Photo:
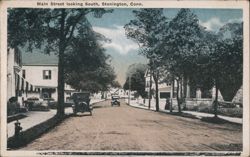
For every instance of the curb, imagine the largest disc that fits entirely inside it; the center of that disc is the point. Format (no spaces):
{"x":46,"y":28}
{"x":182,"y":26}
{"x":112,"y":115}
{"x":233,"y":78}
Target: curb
{"x":16,"y":117}
{"x":187,"y":115}
{"x":98,"y":102}
{"x":169,"y":113}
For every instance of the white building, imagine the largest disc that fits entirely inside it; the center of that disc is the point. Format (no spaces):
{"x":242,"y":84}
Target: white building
{"x":164,"y":88}
{"x":14,"y":65}
{"x":118,"y":91}
{"x":44,"y":79}
{"x":193,"y":96}
{"x":17,"y":85}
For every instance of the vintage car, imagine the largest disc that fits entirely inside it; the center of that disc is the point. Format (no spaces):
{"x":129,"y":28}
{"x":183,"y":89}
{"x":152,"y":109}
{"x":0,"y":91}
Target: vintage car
{"x":115,"y":100}
{"x":51,"y":102}
{"x":35,"y":104}
{"x":81,"y":102}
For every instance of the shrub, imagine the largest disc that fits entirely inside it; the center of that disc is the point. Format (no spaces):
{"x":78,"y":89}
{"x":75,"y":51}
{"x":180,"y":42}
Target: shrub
{"x":232,"y":112}
{"x":12,"y":106}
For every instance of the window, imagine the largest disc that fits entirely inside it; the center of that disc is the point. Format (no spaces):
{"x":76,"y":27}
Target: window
{"x":164,"y":95}
{"x":192,"y":92}
{"x":206,"y":94}
{"x":23,"y":74}
{"x":46,"y":74}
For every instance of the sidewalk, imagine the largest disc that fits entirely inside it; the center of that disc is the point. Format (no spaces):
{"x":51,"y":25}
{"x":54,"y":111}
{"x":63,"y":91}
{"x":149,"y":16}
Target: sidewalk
{"x":35,"y":117}
{"x":199,"y":115}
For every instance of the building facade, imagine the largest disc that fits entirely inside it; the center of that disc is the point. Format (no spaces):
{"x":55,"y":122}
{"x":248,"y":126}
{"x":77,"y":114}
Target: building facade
{"x":44,"y":79}
{"x":193,"y":96}
{"x":14,"y":66}
{"x":164,"y":88}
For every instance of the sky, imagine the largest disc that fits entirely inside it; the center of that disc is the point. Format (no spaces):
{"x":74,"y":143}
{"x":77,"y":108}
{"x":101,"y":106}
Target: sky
{"x":124,"y":51}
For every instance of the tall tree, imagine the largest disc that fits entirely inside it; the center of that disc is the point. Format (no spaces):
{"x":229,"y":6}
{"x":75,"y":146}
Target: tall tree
{"x":230,"y":54}
{"x":52,"y":29}
{"x":147,"y":30}
{"x":221,"y":64}
{"x":227,"y":62}
{"x":180,"y":48}
{"x":86,"y":64}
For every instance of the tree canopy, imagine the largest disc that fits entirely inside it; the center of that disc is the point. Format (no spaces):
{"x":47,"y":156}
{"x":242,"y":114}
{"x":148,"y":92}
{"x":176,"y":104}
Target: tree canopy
{"x":146,"y":29}
{"x":135,"y":77}
{"x":52,"y":29}
{"x":185,"y":51}
{"x":228,"y":59}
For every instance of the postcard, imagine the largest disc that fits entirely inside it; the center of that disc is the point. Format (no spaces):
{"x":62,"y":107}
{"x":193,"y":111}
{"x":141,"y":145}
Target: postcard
{"x":124,"y":78}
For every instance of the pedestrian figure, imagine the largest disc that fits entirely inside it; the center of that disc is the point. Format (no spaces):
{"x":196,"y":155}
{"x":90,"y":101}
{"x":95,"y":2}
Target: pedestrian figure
{"x":167,"y":105}
{"x":18,"y":129}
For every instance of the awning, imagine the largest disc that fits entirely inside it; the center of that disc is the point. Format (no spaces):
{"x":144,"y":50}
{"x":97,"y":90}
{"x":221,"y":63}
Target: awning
{"x":38,"y":86}
{"x":21,"y":84}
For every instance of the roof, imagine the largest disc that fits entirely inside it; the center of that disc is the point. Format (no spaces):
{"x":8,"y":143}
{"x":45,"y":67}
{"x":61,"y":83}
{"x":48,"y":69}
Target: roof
{"x":39,"y":64}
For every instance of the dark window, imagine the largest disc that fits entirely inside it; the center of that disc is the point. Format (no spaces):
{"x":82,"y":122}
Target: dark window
{"x":164,"y":95}
{"x":23,"y":74}
{"x":206,"y":94}
{"x":192,"y":92}
{"x":47,"y":74}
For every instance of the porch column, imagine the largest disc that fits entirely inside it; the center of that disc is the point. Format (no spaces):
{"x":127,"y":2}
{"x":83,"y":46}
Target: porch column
{"x":40,"y":92}
{"x":198,"y":93}
{"x":188,"y":90}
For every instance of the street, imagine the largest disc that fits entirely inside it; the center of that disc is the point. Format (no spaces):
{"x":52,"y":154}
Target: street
{"x":128,"y":128}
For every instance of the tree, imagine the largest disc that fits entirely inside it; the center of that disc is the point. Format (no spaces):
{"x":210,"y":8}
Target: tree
{"x":51,"y":29}
{"x":116,"y":84}
{"x":230,"y":54}
{"x":221,"y":66}
{"x":183,"y":43}
{"x":227,"y":62}
{"x":93,"y":81}
{"x":135,"y":77}
{"x":147,"y":30}
{"x":86,"y":64}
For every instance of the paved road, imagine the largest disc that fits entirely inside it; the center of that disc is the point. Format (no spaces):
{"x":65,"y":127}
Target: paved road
{"x":127,"y":128}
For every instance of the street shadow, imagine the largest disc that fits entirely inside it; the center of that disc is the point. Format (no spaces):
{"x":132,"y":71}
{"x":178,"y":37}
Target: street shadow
{"x":98,"y":107}
{"x":82,"y":115}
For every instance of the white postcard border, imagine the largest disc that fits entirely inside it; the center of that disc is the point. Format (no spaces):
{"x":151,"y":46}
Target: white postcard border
{"x":244,"y":5}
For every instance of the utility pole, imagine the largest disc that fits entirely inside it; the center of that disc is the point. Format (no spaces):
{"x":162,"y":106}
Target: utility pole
{"x":129,"y":90}
{"x":149,"y":92}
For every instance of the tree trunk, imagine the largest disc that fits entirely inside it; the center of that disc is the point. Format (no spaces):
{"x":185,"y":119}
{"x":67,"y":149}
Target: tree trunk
{"x":155,"y":76}
{"x":185,"y":91}
{"x":185,"y":87}
{"x":60,"y":102}
{"x":181,"y":85}
{"x":150,"y":90}
{"x":171,"y":104}
{"x":177,"y":97}
{"x":216,"y":99}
